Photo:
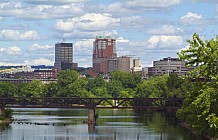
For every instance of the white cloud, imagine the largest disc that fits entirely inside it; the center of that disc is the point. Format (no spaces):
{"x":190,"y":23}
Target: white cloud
{"x":88,"y":22}
{"x":11,"y":50}
{"x":40,"y":11}
{"x":151,"y":4}
{"x":77,"y":34}
{"x":16,"y":35}
{"x":9,"y":64}
{"x":140,"y":23}
{"x":54,"y":2}
{"x":110,"y":8}
{"x":207,"y":1}
{"x":166,"y":30}
{"x":83,"y":47}
{"x":163,"y":41}
{"x":83,"y":52}
{"x":10,"y":5}
{"x":36,"y":47}
{"x":39,"y":61}
{"x":192,"y":18}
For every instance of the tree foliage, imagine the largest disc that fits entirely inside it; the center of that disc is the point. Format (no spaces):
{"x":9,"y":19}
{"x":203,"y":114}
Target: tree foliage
{"x":66,"y":77}
{"x":200,"y":107}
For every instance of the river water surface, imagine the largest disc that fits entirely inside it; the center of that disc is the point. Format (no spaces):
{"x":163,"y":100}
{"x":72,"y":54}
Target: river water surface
{"x":112,"y":124}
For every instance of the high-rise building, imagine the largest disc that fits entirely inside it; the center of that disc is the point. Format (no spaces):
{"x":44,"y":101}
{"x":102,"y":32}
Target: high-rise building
{"x":104,"y":48}
{"x":63,"y":56}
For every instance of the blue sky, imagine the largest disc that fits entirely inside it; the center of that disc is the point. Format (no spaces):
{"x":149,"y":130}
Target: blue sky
{"x":148,"y":29}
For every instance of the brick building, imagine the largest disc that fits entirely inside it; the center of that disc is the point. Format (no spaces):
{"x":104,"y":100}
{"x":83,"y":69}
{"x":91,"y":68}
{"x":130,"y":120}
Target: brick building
{"x":104,"y":48}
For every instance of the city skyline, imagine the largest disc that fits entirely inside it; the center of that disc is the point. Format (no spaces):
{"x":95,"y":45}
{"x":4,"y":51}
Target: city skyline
{"x":148,"y":29}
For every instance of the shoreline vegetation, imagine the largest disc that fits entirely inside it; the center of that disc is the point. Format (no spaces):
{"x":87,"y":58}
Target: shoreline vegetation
{"x":6,"y":117}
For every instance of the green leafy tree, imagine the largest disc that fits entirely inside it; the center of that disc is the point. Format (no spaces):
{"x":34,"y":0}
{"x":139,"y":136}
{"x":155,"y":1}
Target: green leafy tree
{"x":96,"y":82}
{"x":50,"y":90}
{"x":154,"y":87}
{"x":78,"y":89}
{"x":203,"y":55}
{"x":200,"y":106}
{"x":7,"y":89}
{"x":127,"y":79}
{"x":114,"y":88}
{"x":34,"y":89}
{"x":177,"y":86}
{"x":66,"y":77}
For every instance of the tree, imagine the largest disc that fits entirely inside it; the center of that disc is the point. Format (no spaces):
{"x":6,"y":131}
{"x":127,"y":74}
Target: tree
{"x":78,"y":89}
{"x":7,"y":89}
{"x":114,"y":88}
{"x":199,"y":109}
{"x":50,"y":90}
{"x":154,"y":87}
{"x":33,"y":89}
{"x":95,"y":83}
{"x":127,"y":79}
{"x":203,"y":55}
{"x":66,"y":77}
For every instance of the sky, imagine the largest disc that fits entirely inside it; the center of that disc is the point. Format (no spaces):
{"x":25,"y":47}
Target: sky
{"x":147,"y":29}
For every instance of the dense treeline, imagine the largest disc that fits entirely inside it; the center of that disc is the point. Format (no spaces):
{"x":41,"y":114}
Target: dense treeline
{"x":122,"y":84}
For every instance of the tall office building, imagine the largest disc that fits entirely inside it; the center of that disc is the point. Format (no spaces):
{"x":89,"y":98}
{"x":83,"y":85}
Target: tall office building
{"x":104,"y":48}
{"x":63,"y":56}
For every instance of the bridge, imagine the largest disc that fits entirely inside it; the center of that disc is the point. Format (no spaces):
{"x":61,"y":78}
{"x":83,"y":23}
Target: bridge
{"x":91,"y":103}
{"x":65,"y":102}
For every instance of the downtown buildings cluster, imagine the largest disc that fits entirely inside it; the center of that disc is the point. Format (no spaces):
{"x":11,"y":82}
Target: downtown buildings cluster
{"x":104,"y":61}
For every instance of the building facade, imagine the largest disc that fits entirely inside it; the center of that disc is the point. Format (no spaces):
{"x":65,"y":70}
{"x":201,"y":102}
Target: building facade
{"x":104,"y":48}
{"x":46,"y":74}
{"x":63,"y":56}
{"x":125,"y":63}
{"x":112,"y":64}
{"x":167,"y":66}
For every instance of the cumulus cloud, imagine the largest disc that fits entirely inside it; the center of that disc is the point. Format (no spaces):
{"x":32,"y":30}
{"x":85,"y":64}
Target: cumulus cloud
{"x":36,"y":47}
{"x":39,"y":61}
{"x":191,"y":18}
{"x":18,"y":10}
{"x":54,"y":2}
{"x":10,"y":5}
{"x":83,"y":47}
{"x":109,"y":8}
{"x":150,"y":4}
{"x":166,"y":30}
{"x":87,"y":22}
{"x":138,"y":22}
{"x":16,"y":35}
{"x":207,"y":1}
{"x":163,"y":41}
{"x":11,"y":50}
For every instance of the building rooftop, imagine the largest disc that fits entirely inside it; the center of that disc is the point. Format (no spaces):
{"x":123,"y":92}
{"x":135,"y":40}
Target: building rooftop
{"x":104,"y":37}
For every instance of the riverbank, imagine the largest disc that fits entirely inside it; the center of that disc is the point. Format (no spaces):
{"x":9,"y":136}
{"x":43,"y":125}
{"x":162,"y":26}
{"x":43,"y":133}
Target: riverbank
{"x":6,"y":121}
{"x":195,"y":132}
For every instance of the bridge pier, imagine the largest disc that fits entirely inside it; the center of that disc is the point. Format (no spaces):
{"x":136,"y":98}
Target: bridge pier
{"x":91,"y":115}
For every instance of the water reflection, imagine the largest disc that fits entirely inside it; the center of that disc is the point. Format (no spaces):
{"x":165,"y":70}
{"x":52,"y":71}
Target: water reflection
{"x":67,"y":124}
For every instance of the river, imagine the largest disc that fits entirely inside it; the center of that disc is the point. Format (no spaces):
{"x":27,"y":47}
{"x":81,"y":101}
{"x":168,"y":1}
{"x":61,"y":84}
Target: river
{"x":112,"y":124}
